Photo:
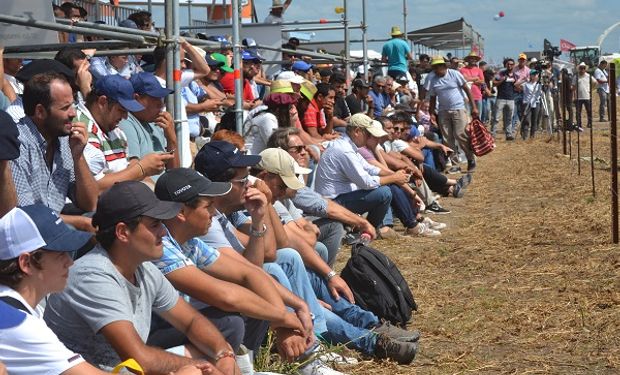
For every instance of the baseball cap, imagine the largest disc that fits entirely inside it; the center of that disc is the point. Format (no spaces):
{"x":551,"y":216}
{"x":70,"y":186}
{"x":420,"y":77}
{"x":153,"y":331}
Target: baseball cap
{"x":359,"y":83}
{"x":278,"y":161}
{"x":221,"y":58}
{"x":360,"y":120}
{"x":290,"y":76}
{"x":522,"y":56}
{"x":582,"y":64}
{"x":213,"y":62}
{"x":301,"y":66}
{"x":214,"y":158}
{"x":119,"y":90}
{"x":29,"y":228}
{"x":185,"y":184}
{"x":127,"y":200}
{"x":9,"y":138}
{"x":248,"y":42}
{"x":146,"y":84}
{"x":249,"y":54}
{"x":128,"y":23}
{"x":44,"y":66}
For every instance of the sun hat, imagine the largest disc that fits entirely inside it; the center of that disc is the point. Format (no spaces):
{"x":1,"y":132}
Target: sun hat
{"x":396,"y":31}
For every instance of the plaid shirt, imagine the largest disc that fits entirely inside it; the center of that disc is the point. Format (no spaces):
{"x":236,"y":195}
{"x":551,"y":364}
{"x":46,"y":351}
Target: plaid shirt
{"x":34,"y":181}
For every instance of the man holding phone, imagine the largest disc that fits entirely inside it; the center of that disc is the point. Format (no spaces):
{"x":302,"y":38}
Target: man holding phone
{"x":151,"y":129}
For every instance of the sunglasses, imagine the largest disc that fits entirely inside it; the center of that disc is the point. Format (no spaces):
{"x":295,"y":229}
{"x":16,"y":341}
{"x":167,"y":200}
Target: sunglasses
{"x":241,"y":181}
{"x":398,"y":129}
{"x":296,"y":149}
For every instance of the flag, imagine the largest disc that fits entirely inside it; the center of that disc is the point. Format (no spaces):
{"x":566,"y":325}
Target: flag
{"x":566,"y":46}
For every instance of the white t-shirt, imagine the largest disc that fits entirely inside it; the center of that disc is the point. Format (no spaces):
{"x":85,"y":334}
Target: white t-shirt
{"x":27,"y":345}
{"x":258,"y":128}
{"x":601,"y":75}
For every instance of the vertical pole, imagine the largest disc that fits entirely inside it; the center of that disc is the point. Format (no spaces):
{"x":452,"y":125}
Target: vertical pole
{"x":614,"y":154}
{"x":578,"y":105}
{"x":347,"y":46}
{"x":150,"y":6}
{"x":190,"y":22}
{"x":182,"y":135}
{"x":365,"y":40}
{"x":592,"y":144}
{"x":238,"y":73}
{"x":563,"y":112}
{"x":169,"y":54}
{"x":405,"y":18}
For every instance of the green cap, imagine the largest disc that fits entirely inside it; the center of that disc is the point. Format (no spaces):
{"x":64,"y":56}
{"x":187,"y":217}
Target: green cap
{"x":221,"y":58}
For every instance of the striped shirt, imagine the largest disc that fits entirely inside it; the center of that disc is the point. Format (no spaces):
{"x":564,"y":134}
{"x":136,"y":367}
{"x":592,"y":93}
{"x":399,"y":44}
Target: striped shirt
{"x":105,"y":152}
{"x":35,"y":182}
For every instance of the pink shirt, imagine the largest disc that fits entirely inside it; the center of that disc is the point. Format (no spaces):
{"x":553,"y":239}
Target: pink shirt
{"x":469,"y":73}
{"x":523,"y":75}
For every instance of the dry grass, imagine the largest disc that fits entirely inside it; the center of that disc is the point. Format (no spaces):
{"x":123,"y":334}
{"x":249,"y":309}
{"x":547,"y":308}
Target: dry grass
{"x":525,"y":279}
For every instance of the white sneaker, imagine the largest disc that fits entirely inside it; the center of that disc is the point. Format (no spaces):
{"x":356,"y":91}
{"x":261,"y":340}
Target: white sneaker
{"x":338,"y":359}
{"x":434,"y":224}
{"x":422,"y":230}
{"x":316,"y":367}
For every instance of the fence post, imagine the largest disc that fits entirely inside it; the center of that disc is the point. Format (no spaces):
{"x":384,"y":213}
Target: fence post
{"x":563,"y":110}
{"x":613,"y":137}
{"x":592,"y":143}
{"x":578,"y":121}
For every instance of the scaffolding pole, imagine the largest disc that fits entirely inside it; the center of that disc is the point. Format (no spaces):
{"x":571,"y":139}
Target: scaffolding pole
{"x":347,"y":45}
{"x":321,"y":28}
{"x":364,"y":40}
{"x":303,"y":53}
{"x":238,"y":73}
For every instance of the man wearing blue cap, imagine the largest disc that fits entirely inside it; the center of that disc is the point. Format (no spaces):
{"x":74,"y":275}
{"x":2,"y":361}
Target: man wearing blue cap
{"x":151,"y":129}
{"x":303,"y":69}
{"x":106,"y":152}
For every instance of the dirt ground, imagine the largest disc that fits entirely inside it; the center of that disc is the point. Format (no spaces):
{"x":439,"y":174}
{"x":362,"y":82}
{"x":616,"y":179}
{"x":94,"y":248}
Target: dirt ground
{"x":525,"y":279}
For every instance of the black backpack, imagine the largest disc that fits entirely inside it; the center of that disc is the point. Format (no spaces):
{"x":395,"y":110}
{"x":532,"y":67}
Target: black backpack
{"x":378,"y":285}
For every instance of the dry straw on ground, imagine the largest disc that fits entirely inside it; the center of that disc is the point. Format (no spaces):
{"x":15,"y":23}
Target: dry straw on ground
{"x":525,"y":279}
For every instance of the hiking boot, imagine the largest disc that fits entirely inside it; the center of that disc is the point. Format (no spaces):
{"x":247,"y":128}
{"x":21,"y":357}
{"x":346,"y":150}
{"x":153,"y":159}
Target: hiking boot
{"x":471,"y":165}
{"x":465,"y":180}
{"x":435,"y":225}
{"x":401,"y":352}
{"x":454,"y":170}
{"x":388,"y":234}
{"x":435,"y":208}
{"x":510,"y":138}
{"x":422,"y":230}
{"x":396,"y":333}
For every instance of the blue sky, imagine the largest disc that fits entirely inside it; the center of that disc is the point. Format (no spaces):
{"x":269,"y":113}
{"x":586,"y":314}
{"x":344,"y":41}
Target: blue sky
{"x":526,"y":23}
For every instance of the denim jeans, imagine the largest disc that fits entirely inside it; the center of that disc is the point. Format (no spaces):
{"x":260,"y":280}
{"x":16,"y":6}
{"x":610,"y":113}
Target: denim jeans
{"x":506,"y":107}
{"x":529,"y":121}
{"x":289,"y":270}
{"x":331,"y":235}
{"x":580,"y":104}
{"x":376,"y":202}
{"x":602,"y":95}
{"x":402,"y":207}
{"x":517,"y":115}
{"x":347,"y":323}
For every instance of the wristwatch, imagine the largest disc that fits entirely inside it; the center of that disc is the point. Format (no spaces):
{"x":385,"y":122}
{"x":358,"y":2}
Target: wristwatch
{"x":330,"y":275}
{"x":258,"y":233}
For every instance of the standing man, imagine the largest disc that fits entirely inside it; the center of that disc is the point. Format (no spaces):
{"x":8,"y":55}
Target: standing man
{"x":504,"y":81}
{"x":422,"y":71}
{"x":474,"y":77}
{"x":396,"y":53}
{"x":277,"y":11}
{"x":522,"y":75}
{"x":581,"y":94}
{"x":447,"y":85}
{"x":602,"y":78}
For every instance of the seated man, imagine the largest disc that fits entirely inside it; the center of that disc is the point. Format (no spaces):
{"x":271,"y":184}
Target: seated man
{"x":150,"y":130}
{"x":106,"y":151}
{"x":105,"y":312}
{"x":329,"y":215}
{"x":344,"y":176}
{"x":348,"y":323}
{"x":51,"y":166}
{"x":31,"y":268}
{"x":230,"y":284}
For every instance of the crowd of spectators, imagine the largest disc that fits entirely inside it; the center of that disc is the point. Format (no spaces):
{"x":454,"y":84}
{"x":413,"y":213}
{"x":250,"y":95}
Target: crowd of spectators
{"x":113,"y":247}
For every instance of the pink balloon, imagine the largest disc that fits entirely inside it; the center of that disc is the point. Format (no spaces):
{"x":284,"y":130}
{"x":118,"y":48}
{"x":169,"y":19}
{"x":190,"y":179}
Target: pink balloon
{"x":502,"y":14}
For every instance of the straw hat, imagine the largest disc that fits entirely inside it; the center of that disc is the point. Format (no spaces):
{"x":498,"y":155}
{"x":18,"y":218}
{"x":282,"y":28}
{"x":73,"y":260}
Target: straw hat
{"x":472,"y":55}
{"x":396,"y":31}
{"x":437,"y":60}
{"x":308,"y":89}
{"x":277,"y":4}
{"x":281,"y":86}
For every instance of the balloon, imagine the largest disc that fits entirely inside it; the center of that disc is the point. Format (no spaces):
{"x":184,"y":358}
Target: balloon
{"x":501,"y":14}
{"x":496,"y":17}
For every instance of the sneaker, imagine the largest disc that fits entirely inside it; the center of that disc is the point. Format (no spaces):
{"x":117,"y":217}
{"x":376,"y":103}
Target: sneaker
{"x":434,"y":224}
{"x":435,"y":208}
{"x":422,"y":230}
{"x":510,"y":138}
{"x":579,"y":129}
{"x":465,"y":180}
{"x":601,"y":119}
{"x":317,"y":367}
{"x":458,"y":191}
{"x":337,"y":359}
{"x":401,"y":352}
{"x":454,"y":170}
{"x":396,"y":333}
{"x":388,"y":234}
{"x":471,"y":165}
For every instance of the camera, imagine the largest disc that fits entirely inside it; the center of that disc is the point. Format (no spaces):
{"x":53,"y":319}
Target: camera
{"x":550,"y":51}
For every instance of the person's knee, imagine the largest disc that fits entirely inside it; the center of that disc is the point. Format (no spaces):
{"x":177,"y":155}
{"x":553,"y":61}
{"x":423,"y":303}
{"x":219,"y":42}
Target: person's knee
{"x":321,"y":249}
{"x":384,"y":194}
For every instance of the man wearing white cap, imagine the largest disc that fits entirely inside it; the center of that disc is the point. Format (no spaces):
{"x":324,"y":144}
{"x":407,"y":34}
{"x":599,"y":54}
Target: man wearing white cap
{"x":344,"y":176}
{"x":581,"y":88}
